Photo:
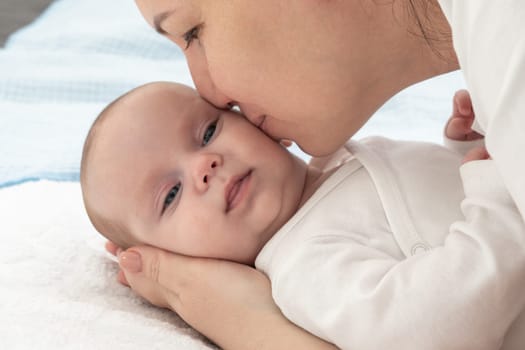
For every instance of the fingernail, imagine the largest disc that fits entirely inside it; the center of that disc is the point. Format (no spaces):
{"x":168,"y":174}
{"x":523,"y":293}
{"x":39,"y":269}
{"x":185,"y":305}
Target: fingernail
{"x":130,"y":261}
{"x":464,"y":109}
{"x":118,"y":252}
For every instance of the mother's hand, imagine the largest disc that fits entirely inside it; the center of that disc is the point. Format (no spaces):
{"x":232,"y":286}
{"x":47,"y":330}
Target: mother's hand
{"x":229,"y":303}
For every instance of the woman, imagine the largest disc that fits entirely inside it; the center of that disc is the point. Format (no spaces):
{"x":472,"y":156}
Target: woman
{"x":293,"y":67}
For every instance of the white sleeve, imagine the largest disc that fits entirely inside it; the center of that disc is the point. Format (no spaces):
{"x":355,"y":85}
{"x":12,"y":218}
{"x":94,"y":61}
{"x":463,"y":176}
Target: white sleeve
{"x":462,"y":147}
{"x":489,"y":38}
{"x":462,"y":295}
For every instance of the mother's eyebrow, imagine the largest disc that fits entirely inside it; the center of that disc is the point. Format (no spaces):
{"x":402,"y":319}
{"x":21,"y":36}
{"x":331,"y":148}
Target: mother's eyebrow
{"x":158,"y":19}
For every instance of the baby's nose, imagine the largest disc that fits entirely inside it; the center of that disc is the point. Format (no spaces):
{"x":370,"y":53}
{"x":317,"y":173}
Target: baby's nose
{"x":206,"y":177}
{"x":205,"y":169}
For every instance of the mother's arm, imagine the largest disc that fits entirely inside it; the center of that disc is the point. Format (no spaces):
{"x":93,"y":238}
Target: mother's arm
{"x":229,"y":303}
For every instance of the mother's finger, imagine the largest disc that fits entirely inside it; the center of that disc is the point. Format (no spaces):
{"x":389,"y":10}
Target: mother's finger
{"x":160,"y":267}
{"x":112,"y":248}
{"x":165,"y":278}
{"x":152,"y":292}
{"x":477,"y":153}
{"x":462,"y":104}
{"x":458,"y":129}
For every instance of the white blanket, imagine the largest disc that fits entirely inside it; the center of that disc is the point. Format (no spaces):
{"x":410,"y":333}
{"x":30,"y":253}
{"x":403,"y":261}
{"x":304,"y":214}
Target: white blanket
{"x":58,"y":287}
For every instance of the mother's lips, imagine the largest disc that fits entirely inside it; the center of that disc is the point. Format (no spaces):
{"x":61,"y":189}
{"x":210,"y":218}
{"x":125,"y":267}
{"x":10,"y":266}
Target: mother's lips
{"x":234,"y":191}
{"x":260,"y":122}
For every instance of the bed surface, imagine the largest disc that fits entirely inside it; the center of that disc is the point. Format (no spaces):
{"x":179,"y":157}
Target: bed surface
{"x":58,"y":287}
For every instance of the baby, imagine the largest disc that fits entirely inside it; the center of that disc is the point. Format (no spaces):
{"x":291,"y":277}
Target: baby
{"x":359,"y":248}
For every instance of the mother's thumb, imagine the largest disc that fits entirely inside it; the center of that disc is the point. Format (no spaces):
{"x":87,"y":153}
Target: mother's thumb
{"x":141,"y":267}
{"x":145,"y":261}
{"x":130,"y":261}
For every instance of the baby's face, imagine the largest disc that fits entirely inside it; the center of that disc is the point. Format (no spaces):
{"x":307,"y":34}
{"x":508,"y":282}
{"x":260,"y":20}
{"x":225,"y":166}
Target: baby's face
{"x":186,"y":177}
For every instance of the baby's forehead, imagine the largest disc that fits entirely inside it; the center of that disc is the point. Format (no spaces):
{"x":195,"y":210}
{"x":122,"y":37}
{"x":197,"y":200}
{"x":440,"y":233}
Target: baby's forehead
{"x":146,"y":121}
{"x":151,"y":117}
{"x":158,"y":100}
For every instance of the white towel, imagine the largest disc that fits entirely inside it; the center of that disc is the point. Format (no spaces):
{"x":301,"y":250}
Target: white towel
{"x":58,"y":287}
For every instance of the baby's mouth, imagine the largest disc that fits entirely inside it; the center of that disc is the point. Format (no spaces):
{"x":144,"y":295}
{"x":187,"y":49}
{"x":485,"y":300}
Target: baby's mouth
{"x":235,"y":190}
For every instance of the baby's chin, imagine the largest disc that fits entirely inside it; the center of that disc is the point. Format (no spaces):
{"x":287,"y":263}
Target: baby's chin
{"x":246,"y":259}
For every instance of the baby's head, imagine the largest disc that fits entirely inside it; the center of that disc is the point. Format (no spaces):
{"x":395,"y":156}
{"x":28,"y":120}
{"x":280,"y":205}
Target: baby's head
{"x":163,"y":167}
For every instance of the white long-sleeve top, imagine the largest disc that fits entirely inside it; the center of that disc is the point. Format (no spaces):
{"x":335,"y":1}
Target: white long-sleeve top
{"x":489,"y":39}
{"x":370,"y":261}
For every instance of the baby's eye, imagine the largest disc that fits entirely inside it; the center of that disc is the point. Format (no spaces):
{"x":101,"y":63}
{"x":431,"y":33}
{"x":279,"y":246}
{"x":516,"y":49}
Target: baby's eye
{"x":171,"y":196}
{"x":208,"y":134}
{"x":191,"y":34}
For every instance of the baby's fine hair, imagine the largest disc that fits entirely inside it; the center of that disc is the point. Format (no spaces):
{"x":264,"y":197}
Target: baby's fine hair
{"x":110,"y":228}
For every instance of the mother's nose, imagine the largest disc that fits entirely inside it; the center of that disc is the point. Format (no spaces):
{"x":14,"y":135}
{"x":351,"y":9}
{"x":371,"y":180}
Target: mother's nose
{"x":209,"y":91}
{"x":204,"y":82}
{"x":205,"y":167}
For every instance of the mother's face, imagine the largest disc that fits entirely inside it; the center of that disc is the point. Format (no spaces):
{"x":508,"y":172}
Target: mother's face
{"x":280,"y":61}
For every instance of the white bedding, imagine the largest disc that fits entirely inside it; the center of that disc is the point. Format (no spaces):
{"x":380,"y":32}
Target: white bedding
{"x":58,"y":285}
